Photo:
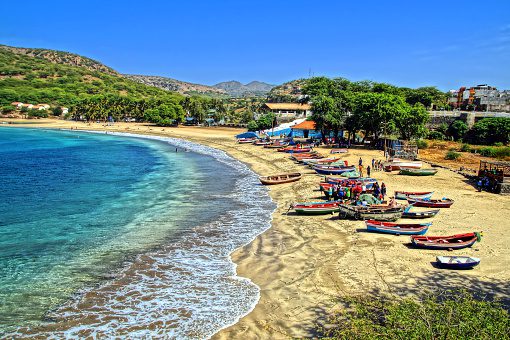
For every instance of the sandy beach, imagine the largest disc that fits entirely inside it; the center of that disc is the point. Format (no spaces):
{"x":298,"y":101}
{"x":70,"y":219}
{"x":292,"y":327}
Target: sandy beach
{"x":302,"y":263}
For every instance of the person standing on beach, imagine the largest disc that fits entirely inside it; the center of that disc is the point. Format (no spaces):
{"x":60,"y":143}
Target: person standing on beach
{"x":383,"y":190}
{"x":360,"y":169}
{"x":373,"y":163}
{"x":360,"y":162}
{"x":368,"y":170}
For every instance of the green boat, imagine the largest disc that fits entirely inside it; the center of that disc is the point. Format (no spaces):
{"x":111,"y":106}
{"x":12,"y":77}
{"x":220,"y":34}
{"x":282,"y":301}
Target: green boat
{"x":418,"y":172}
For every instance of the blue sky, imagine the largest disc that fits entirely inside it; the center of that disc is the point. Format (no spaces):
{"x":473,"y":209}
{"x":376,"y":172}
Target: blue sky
{"x":407,"y":43}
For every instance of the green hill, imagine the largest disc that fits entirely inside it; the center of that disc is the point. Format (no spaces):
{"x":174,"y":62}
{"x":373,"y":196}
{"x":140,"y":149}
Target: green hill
{"x":64,"y":79}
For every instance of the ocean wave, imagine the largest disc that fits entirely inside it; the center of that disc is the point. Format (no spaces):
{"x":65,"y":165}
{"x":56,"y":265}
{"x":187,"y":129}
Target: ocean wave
{"x":188,"y":289}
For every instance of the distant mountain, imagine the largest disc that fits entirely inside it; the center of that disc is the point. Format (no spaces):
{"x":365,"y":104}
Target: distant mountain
{"x":237,"y":89}
{"x":177,"y":85}
{"x":61,"y":58}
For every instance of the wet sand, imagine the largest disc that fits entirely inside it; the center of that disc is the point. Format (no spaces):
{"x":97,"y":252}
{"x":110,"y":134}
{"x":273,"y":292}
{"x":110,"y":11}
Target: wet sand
{"x":303,"y":262}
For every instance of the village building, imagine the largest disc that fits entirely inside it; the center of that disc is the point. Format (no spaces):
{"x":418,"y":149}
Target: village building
{"x":65,"y":110}
{"x":17,"y":104}
{"x":28,"y":106}
{"x":288,"y":111}
{"x":480,"y":98}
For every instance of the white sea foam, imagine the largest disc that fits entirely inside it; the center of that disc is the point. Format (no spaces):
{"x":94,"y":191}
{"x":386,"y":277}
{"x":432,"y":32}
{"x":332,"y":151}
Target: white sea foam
{"x":188,"y":289}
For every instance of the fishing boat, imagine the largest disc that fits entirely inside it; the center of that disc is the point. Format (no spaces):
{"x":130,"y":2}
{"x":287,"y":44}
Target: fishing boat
{"x":276,"y":145}
{"x":322,"y":161}
{"x":458,"y":241}
{"x":399,"y":165}
{"x":418,"y":214}
{"x":338,"y":163}
{"x":366,"y":212}
{"x":281,"y":178}
{"x":332,"y":170}
{"x":263,"y":142}
{"x":418,"y":172}
{"x":404,"y":195}
{"x":428,"y":203}
{"x":397,"y":228}
{"x":246,"y":140}
{"x":316,"y":208}
{"x":334,"y":151}
{"x":457,"y":262}
{"x":291,"y":149}
{"x":299,"y":157}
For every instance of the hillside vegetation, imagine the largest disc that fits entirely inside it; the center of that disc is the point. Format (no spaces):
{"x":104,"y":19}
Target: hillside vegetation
{"x":63,"y":79}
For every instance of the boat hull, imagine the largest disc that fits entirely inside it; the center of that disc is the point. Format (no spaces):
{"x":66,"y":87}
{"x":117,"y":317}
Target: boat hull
{"x":332,"y":171}
{"x":418,"y":172}
{"x":397,"y":230}
{"x":457,"y":262}
{"x":420,"y":214}
{"x":445,"y":242}
{"x":430,"y":203}
{"x":404,"y":195}
{"x":359,"y":213}
{"x":280,"y":179}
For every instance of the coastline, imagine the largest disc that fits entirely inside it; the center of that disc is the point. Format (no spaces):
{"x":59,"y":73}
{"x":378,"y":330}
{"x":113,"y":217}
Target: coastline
{"x":301,"y":263}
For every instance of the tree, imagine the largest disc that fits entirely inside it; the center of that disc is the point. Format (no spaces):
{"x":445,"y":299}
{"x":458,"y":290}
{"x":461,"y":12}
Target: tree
{"x":57,"y":111}
{"x":457,"y":129}
{"x":410,"y":121}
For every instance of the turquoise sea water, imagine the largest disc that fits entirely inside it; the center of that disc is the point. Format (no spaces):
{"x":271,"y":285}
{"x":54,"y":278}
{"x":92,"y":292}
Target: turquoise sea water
{"x":86,"y":214}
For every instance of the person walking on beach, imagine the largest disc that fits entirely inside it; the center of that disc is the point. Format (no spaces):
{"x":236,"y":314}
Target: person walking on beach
{"x":360,"y":162}
{"x":368,"y":170}
{"x":373,"y":163}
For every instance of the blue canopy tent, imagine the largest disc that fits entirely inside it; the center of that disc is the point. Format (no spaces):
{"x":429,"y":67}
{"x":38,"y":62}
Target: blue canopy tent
{"x":248,"y":134}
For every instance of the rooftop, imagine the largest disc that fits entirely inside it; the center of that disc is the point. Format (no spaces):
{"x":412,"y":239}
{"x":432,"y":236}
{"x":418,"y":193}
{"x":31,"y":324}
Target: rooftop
{"x":288,"y":106}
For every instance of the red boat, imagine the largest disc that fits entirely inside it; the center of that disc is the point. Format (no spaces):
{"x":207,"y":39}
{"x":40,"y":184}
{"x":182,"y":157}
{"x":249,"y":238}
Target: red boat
{"x":294,"y":150}
{"x":403,"y":195}
{"x":458,"y":241}
{"x":306,"y":155}
{"x":442,"y":203}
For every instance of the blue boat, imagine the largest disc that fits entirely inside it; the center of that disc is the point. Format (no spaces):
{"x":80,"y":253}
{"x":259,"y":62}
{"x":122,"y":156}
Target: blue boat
{"x":332,"y":170}
{"x":457,"y":262}
{"x":397,"y":228}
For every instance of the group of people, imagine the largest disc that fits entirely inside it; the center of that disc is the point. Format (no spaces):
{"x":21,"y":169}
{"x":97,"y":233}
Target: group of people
{"x":353,"y":189}
{"x":377,"y":165}
{"x":486,"y":183}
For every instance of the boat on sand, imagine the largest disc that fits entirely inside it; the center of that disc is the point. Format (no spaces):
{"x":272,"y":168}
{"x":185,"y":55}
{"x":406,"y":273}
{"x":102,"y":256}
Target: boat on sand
{"x":428,"y":203}
{"x":458,"y":241}
{"x":404,"y":195}
{"x":418,"y":172}
{"x":457,"y":262}
{"x":280,"y":178}
{"x":397,"y":228}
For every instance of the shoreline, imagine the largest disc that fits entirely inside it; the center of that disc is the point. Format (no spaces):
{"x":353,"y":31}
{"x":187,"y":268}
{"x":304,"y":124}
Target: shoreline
{"x":301,"y":263}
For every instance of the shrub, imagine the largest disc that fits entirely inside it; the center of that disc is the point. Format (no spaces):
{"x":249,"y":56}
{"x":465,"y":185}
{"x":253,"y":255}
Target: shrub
{"x":436,"y":135}
{"x":422,"y":144}
{"x":498,"y":144}
{"x":452,"y":155}
{"x":465,"y":148}
{"x":253,"y":126}
{"x":490,"y":131}
{"x":454,"y":316}
{"x":487,"y":152}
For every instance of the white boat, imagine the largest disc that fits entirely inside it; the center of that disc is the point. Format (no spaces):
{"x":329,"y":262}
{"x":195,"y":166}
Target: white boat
{"x":400,"y":164}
